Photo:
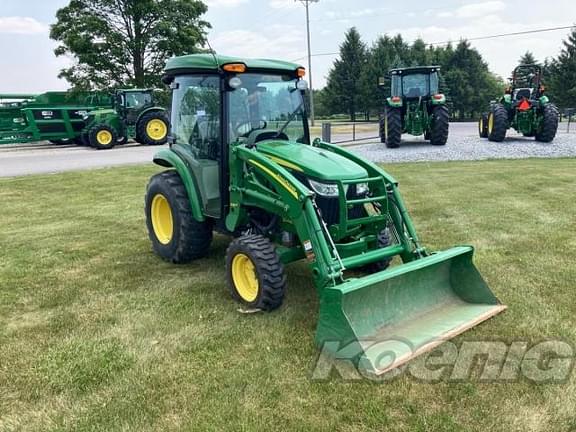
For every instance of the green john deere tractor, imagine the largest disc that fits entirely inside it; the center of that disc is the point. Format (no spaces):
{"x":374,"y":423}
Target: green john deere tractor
{"x":415,"y":107}
{"x":241,"y":163}
{"x":134,"y":116}
{"x":523,"y":107}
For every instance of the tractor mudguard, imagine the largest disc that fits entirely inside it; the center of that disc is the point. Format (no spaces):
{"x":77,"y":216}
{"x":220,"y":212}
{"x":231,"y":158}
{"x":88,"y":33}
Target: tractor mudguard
{"x":151,"y":109}
{"x":440,"y":100}
{"x":394,"y":104}
{"x":170,"y":159}
{"x":544,"y":100}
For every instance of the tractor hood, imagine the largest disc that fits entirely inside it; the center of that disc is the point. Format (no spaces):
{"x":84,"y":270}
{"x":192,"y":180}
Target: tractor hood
{"x":313,"y":161}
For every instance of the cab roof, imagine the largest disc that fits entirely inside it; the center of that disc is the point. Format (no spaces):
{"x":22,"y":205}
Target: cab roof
{"x":414,"y":69}
{"x":208,"y":62}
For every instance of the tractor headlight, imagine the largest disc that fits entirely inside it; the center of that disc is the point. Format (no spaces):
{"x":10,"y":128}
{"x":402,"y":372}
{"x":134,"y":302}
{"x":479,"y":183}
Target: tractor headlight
{"x":361,"y":188}
{"x":324,"y":189}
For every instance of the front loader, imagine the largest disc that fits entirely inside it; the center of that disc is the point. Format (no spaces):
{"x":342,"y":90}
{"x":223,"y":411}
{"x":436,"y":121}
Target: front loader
{"x":524,"y":107}
{"x":415,"y":107}
{"x":241,"y":163}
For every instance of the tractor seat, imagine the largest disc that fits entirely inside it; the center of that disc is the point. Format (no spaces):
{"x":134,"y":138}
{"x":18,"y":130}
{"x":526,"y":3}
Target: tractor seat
{"x":413,"y":92}
{"x":523,"y":93}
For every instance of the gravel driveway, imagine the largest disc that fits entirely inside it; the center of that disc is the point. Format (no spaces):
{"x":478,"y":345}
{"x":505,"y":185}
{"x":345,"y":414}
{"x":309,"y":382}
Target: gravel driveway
{"x":464,"y":144}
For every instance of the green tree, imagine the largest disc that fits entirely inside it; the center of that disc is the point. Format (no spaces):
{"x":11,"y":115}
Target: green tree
{"x":125,"y":42}
{"x":471,"y":83}
{"x":379,"y":61}
{"x":562,"y":81}
{"x":343,"y":88}
{"x":528,"y":59}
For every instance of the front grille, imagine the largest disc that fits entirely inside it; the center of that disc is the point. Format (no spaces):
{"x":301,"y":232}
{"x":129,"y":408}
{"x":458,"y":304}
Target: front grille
{"x":330,"y":208}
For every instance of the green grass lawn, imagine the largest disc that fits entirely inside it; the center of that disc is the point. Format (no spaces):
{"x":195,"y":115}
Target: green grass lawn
{"x":97,"y":333}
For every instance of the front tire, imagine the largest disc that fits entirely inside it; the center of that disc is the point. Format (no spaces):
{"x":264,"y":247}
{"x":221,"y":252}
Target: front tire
{"x":255,"y":273}
{"x":549,"y":125}
{"x":497,"y":123}
{"x":152,"y":128}
{"x":102,"y":137}
{"x":440,"y":125}
{"x":393,"y":127}
{"x":176,"y":236}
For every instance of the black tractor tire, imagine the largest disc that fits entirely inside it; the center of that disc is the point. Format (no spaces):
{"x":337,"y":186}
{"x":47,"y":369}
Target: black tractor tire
{"x":393,"y":127}
{"x":382,"y":128}
{"x":122,"y":140}
{"x":142,"y":128}
{"x":384,"y":240}
{"x":440,"y":125}
{"x":62,"y":141}
{"x":426,"y":135}
{"x":102,"y":137}
{"x":549,"y":124}
{"x":177,"y":238}
{"x":497,"y":123}
{"x":83,"y":139}
{"x":255,"y":274}
{"x":483,"y":125}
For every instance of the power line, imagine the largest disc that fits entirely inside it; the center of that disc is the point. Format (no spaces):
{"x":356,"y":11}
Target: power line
{"x":549,"y":29}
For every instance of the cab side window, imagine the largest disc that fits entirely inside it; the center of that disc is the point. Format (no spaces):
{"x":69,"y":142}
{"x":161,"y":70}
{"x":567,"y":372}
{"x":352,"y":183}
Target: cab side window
{"x":196,"y":114}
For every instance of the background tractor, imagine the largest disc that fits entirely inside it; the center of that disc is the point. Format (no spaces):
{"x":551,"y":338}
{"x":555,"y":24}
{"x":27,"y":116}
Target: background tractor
{"x":523,"y":107}
{"x":133,"y":116}
{"x":415,"y":107}
{"x":241,"y":163}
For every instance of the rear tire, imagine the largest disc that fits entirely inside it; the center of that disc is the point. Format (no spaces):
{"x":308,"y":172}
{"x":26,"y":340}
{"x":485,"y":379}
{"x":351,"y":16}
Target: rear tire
{"x":393,"y":127}
{"x":549,"y":126}
{"x":440,"y":125}
{"x":497,"y":123}
{"x":102,"y":137}
{"x":255,"y":273}
{"x":176,"y":236}
{"x":382,"y":128}
{"x":483,"y":125}
{"x":152,"y":128}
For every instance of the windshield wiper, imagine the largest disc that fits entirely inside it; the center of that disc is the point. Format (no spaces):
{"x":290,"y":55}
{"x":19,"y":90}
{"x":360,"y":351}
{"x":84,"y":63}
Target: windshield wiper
{"x":290,"y":118}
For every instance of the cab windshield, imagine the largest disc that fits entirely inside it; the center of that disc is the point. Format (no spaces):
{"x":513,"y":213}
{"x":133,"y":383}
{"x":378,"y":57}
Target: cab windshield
{"x":266,"y":102}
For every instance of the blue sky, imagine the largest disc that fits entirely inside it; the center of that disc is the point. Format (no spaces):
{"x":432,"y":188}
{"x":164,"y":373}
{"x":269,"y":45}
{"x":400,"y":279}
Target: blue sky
{"x":276,"y":28}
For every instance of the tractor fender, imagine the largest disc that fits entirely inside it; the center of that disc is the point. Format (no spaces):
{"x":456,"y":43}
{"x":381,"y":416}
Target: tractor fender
{"x":544,"y":100}
{"x":394,"y":104}
{"x":437,"y":100}
{"x":170,"y":159}
{"x":151,"y":109}
{"x":507,"y":99}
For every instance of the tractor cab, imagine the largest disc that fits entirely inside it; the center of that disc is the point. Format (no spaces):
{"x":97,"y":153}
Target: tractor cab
{"x":131,"y":102}
{"x":415,"y":82}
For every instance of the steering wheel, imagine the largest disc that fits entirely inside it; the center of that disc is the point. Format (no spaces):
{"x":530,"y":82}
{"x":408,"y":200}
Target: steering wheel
{"x":249,"y":128}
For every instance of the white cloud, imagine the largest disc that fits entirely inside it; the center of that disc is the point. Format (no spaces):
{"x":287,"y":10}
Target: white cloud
{"x":283,"y":4}
{"x":21,"y":25}
{"x":224,"y":3}
{"x":275,"y":41}
{"x":474,"y":10}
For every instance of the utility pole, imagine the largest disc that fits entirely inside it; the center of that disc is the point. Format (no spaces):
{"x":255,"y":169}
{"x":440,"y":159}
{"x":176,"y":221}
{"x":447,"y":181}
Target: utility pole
{"x":306,"y":3}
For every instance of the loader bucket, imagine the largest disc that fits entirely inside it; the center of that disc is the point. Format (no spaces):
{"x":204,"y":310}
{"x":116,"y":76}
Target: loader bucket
{"x":383,"y":320}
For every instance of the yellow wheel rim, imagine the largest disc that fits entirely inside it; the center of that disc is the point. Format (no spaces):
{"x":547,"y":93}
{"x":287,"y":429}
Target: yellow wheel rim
{"x":162,"y":221}
{"x":490,"y":123}
{"x":244,"y":277}
{"x":481,"y":125}
{"x":104,"y":137}
{"x":156,"y":129}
